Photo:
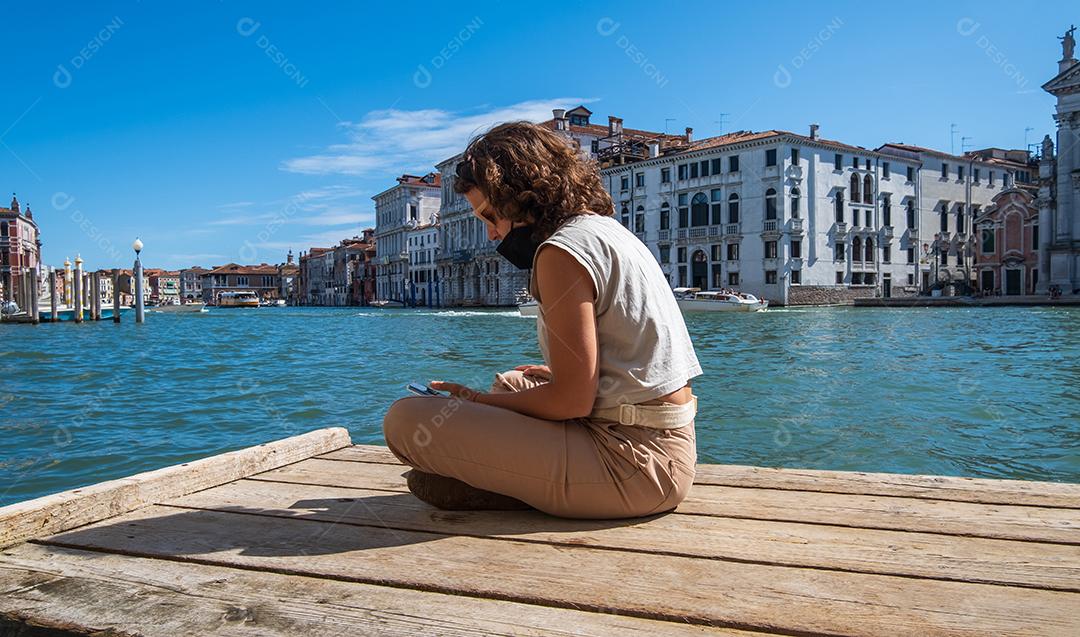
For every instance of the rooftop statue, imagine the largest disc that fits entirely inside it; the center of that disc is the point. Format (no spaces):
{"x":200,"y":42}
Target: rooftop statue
{"x":1068,"y":43}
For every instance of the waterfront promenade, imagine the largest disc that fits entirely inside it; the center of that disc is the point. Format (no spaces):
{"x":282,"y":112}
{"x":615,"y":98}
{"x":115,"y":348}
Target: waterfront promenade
{"x":313,"y":535}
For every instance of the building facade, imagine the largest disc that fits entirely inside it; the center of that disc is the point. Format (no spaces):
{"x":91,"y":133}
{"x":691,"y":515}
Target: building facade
{"x":191,"y":283}
{"x":1059,"y":197}
{"x":413,"y":202}
{"x":20,"y":252}
{"x":422,"y":244}
{"x":1007,"y":257}
{"x":800,"y":219}
{"x":263,"y":279}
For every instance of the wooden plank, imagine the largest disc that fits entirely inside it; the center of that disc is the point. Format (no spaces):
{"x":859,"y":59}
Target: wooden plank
{"x":68,"y":509}
{"x":953,"y":488}
{"x":90,"y":592}
{"x":670,"y":588}
{"x":1041,"y":524}
{"x":929,"y":555}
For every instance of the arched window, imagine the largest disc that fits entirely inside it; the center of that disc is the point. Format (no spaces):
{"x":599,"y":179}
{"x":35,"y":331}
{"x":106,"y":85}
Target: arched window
{"x":770,"y":204}
{"x":733,"y":208}
{"x":4,"y":229}
{"x":869,"y":250}
{"x":838,"y":202}
{"x":886,"y":210}
{"x":639,"y":219}
{"x":854,"y":187}
{"x":795,"y":196}
{"x":868,"y":190}
{"x":625,"y":216}
{"x":960,"y":227}
{"x":699,"y":210}
{"x":665,"y":216}
{"x":856,"y":249}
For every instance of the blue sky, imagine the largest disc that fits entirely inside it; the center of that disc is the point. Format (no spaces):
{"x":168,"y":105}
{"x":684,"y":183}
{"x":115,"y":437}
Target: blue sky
{"x":231,"y":131}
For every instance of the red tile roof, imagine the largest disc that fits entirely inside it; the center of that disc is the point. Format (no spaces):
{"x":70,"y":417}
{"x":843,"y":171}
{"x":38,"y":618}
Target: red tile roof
{"x":234,"y":268}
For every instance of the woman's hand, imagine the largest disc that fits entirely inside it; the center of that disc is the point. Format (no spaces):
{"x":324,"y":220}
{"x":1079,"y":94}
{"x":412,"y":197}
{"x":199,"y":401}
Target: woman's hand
{"x":542,"y":371}
{"x":456,"y":390}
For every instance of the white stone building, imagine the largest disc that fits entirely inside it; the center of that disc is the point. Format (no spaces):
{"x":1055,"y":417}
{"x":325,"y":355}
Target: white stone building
{"x":423,"y":246}
{"x":1059,"y":197}
{"x":413,"y":201}
{"x":800,"y":219}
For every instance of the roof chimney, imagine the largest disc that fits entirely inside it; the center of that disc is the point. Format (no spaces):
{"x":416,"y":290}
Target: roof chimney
{"x":689,"y":134}
{"x":654,"y":148}
{"x":614,"y":125}
{"x":813,"y":131}
{"x":560,"y":118}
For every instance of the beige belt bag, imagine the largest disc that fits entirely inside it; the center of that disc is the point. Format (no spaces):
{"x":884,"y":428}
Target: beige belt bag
{"x":655,"y":416}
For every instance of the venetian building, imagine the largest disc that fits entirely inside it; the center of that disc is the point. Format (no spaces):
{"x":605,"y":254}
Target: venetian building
{"x":412,"y":202}
{"x":1006,"y":259}
{"x":20,"y":251}
{"x":1059,"y":242}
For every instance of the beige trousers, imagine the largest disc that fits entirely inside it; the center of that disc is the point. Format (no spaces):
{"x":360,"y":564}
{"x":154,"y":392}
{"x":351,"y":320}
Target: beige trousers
{"x":580,"y":468}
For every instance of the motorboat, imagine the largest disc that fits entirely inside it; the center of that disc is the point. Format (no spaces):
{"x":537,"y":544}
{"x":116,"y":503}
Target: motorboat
{"x":696,"y":300}
{"x":529,"y":308}
{"x":238,"y":299}
{"x":383,"y":303}
{"x":179,"y":308}
{"x":67,"y":312}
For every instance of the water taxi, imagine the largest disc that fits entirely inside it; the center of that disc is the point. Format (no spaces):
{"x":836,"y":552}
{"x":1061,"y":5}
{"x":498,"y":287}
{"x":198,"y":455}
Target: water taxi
{"x":238,"y":299}
{"x":529,"y":308}
{"x":695,"y":300}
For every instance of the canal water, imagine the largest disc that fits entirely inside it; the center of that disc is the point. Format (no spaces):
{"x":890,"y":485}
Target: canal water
{"x":984,"y":392}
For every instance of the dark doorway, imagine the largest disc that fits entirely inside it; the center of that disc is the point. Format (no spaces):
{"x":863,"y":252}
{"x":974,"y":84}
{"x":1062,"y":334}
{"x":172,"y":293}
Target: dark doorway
{"x":1012,"y":282}
{"x":886,"y":286}
{"x":987,"y":283}
{"x":699,"y":271}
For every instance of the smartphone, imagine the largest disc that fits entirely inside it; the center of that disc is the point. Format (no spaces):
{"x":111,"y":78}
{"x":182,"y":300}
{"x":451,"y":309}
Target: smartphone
{"x":423,"y":390}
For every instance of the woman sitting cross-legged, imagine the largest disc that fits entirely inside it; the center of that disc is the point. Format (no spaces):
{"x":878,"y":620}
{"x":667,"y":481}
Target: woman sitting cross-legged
{"x":605,"y":427}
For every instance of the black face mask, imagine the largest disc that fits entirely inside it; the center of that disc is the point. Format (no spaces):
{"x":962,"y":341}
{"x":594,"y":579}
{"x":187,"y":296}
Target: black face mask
{"x":518,"y":247}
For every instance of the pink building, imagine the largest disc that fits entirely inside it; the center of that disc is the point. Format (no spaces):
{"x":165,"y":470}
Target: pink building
{"x":20,"y":250}
{"x":1007,"y":256}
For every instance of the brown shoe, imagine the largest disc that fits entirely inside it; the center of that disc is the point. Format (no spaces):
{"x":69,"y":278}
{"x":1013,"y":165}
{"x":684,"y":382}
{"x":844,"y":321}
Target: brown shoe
{"x":452,"y":494}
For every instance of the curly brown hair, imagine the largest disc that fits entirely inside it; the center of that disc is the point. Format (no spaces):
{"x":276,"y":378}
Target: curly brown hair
{"x":525,"y":169}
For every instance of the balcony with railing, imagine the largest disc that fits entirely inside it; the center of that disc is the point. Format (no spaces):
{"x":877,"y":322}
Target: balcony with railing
{"x":770,"y":225}
{"x":698,"y":233}
{"x":797,"y":226}
{"x":732,"y":230}
{"x":664,"y":235}
{"x":840,"y":228}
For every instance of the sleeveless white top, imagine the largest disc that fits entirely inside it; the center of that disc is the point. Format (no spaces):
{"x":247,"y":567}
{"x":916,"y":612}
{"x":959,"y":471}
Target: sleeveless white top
{"x":644,"y":348}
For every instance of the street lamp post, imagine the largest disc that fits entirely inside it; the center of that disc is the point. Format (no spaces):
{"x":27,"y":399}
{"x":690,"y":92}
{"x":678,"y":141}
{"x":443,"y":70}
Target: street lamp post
{"x":137,"y":272}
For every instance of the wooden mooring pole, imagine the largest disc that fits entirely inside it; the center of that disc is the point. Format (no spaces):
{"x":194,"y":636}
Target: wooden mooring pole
{"x":52,"y":297}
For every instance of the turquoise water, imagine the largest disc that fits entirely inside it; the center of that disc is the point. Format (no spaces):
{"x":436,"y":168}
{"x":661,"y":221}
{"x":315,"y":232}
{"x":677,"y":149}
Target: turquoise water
{"x":988,"y":392}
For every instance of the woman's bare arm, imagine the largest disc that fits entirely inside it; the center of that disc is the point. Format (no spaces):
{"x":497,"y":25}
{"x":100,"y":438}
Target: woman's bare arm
{"x":568,"y":298}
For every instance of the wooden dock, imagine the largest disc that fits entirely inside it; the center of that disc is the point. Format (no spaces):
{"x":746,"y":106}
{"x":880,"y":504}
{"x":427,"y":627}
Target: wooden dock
{"x":312,"y":535}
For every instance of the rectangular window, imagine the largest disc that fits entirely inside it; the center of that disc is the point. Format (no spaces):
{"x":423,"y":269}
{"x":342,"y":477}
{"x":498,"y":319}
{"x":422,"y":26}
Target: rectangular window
{"x":990,"y":177}
{"x":1035,"y":237}
{"x":839,"y":278}
{"x":838,"y":251}
{"x":944,"y":171}
{"x":732,"y":252}
{"x":910,"y":279}
{"x":639,"y":180}
{"x":715,"y":195}
{"x":733,"y":164}
{"x":944,"y":257}
{"x":886,"y":253}
{"x":681,"y":255}
{"x":733,"y":278}
{"x":682,"y":276}
{"x":794,"y":156}
{"x":796,"y":277}
{"x":885,"y":169}
{"x":684,"y":217}
{"x":960,"y":173}
{"x":944,"y":219}
{"x":665,"y":218}
{"x":911,"y":214}
{"x":717,"y":252}
{"x":665,"y":254}
{"x":975,"y":175}
{"x":911,"y":255}
{"x":856,"y":278}
{"x":242,"y":281}
{"x":886,"y":210}
{"x":624,"y":183}
{"x":770,"y":277}
{"x":770,"y":249}
{"x":733,"y":210}
{"x":665,"y":175}
{"x":704,"y":167}
{"x":716,"y":166}
{"x":855,"y":163}
{"x":869,"y":218}
{"x":987,"y":240}
{"x":796,"y":249}
{"x":639,"y":222}
{"x":682,"y":171}
{"x":717,"y":214}
{"x":717,"y":277}
{"x":693,"y":170}
{"x":838,"y":161}
{"x":911,"y":173}
{"x":770,"y":157}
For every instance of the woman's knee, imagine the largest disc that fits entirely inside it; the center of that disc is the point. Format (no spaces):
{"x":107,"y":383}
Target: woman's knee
{"x":409,"y":422}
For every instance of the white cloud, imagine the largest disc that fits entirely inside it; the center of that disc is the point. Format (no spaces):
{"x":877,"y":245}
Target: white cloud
{"x":390,"y":141}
